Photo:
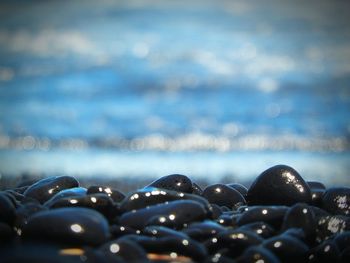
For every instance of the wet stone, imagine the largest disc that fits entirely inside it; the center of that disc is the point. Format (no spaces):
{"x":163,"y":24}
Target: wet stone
{"x":127,"y":250}
{"x":279,"y":185}
{"x":203,"y":230}
{"x":150,"y":196}
{"x":223,"y":195}
{"x":287,"y":248}
{"x":68,"y":225}
{"x":71,"y":192}
{"x":99,"y":202}
{"x":24,"y":212}
{"x":324,"y":253}
{"x":177,"y":213}
{"x":175,"y":182}
{"x":301,"y":216}
{"x":336,"y":200}
{"x":7,"y":210}
{"x":115,"y":194}
{"x":328,"y":226}
{"x":272,"y":215}
{"x":119,"y":230}
{"x":44,"y":189}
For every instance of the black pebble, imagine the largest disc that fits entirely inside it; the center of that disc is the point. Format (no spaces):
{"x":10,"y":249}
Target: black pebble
{"x":336,"y":200}
{"x":7,"y":210}
{"x":44,"y":189}
{"x":175,"y":182}
{"x":69,"y":226}
{"x":115,"y":194}
{"x":223,"y":195}
{"x":279,"y":185}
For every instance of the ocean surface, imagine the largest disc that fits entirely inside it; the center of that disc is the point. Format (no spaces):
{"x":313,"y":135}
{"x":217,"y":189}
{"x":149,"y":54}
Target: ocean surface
{"x":147,"y":88}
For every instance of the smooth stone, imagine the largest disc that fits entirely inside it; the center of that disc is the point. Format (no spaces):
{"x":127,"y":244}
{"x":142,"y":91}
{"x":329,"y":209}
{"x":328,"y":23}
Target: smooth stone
{"x":301,"y":216}
{"x":7,"y":210}
{"x":19,"y":197}
{"x":71,"y":192}
{"x":318,"y":212}
{"x":175,"y":182}
{"x":336,"y":200}
{"x":342,"y":240}
{"x":216,"y":211}
{"x":316,"y":185}
{"x":262,"y":229}
{"x":287,"y":248}
{"x":219,"y":258}
{"x":236,"y":241}
{"x":99,"y":202}
{"x":297,"y":233}
{"x":176,"y":213}
{"x":272,"y":215}
{"x":327,"y":226}
{"x":150,"y":196}
{"x":240,"y":188}
{"x":203,"y":230}
{"x":115,"y":194}
{"x":324,"y":253}
{"x":44,"y":189}
{"x":127,"y":250}
{"x":24,"y":212}
{"x":172,"y":246}
{"x":256,"y":254}
{"x":223,"y":195}
{"x":81,"y":226}
{"x":162,"y":231}
{"x":279,"y":185}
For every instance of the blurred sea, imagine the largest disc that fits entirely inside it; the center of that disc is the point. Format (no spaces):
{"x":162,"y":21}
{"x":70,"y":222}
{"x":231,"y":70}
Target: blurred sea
{"x":148,"y":88}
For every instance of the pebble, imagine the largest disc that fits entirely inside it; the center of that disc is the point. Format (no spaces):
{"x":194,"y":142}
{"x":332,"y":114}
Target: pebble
{"x":287,"y":248}
{"x":172,"y":214}
{"x":115,"y":194}
{"x":223,"y":195}
{"x":279,"y":185}
{"x":279,"y":218}
{"x":175,"y":182}
{"x":46,"y":188}
{"x":77,"y":226}
{"x":336,"y":200}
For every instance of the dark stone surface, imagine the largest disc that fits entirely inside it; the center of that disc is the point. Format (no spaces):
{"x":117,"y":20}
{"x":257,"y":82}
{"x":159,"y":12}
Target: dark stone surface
{"x":279,"y":185}
{"x":76,"y":226}
{"x":44,"y":189}
{"x":336,"y":200}
{"x":175,"y":182}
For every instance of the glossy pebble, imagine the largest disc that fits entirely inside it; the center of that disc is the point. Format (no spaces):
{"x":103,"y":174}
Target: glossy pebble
{"x":176,"y":213}
{"x":223,"y":195}
{"x":256,"y":254}
{"x":240,"y":188}
{"x":336,"y":201}
{"x":175,"y":182}
{"x":7,"y":210}
{"x":279,"y":185}
{"x":71,"y":192}
{"x":115,"y":194}
{"x":324,"y":253}
{"x":287,"y":248}
{"x":68,"y":225}
{"x":44,"y":189}
{"x":328,"y":226}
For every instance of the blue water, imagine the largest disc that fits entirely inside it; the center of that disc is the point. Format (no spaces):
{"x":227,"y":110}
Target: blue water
{"x":187,"y":86}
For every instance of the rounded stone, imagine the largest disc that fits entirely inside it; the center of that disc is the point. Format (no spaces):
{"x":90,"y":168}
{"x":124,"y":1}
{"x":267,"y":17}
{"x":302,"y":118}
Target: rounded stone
{"x":80,"y":226}
{"x":223,"y":195}
{"x":279,"y":185}
{"x":7,"y":210}
{"x":44,"y":189}
{"x":336,"y":200}
{"x":175,"y":182}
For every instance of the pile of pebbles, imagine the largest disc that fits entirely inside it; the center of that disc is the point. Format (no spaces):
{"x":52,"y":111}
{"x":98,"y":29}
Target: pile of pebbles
{"x":280,"y":218}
